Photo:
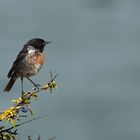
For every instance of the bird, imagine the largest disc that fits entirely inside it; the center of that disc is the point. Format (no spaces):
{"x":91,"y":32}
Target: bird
{"x":28,"y":62}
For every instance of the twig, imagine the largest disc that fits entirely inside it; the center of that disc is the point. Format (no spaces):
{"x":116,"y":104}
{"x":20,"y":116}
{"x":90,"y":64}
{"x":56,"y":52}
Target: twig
{"x":9,"y":129}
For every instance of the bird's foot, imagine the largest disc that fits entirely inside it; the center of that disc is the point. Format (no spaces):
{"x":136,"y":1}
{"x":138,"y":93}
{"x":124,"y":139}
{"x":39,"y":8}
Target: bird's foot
{"x":36,"y":87}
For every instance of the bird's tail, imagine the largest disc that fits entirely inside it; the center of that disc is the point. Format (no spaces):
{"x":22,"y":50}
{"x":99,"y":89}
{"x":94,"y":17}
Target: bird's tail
{"x":10,"y":84}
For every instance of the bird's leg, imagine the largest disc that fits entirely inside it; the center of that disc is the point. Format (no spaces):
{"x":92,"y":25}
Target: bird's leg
{"x":22,"y":86}
{"x":36,"y":86}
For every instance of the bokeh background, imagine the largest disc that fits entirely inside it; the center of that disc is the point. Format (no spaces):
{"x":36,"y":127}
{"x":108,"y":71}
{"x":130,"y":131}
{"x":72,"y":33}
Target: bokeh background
{"x":95,"y":49}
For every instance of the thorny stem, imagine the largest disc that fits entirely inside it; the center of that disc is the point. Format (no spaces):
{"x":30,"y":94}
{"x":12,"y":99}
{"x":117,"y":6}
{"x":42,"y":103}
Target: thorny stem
{"x":9,"y":129}
{"x":25,"y":97}
{"x":30,"y":93}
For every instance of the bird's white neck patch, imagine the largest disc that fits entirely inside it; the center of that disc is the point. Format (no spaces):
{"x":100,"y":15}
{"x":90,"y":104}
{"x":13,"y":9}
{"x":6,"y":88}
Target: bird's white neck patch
{"x":31,"y":50}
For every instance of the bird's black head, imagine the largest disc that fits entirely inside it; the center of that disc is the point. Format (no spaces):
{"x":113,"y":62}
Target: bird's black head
{"x":37,"y":43}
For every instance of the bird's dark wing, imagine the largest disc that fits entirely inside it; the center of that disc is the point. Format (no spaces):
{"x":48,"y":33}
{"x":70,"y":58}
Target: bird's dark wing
{"x":19,"y":58}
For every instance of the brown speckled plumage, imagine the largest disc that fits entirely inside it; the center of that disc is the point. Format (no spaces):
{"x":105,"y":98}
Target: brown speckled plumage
{"x":28,"y":62}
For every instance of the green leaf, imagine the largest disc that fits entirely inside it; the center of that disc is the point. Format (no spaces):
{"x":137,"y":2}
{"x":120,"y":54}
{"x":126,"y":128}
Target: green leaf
{"x":13,"y":122}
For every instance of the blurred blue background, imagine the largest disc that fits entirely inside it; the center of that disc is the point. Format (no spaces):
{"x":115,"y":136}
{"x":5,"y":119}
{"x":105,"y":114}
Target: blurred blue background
{"x":95,"y":49}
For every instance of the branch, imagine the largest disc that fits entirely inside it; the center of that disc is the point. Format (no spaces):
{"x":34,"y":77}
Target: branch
{"x":22,"y":104}
{"x":31,"y":120}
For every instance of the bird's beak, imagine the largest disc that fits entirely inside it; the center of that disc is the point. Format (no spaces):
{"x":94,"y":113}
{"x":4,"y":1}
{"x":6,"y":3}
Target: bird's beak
{"x":47,"y":42}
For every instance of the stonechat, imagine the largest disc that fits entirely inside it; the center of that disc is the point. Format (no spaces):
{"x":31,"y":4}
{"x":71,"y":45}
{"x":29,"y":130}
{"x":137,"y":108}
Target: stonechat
{"x":28,"y":62}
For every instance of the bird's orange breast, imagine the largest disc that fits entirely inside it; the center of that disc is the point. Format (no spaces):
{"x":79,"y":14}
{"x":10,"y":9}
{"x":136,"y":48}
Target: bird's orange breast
{"x":40,"y":58}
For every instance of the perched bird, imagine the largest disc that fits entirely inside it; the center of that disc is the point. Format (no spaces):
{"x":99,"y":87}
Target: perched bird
{"x":28,"y":62}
